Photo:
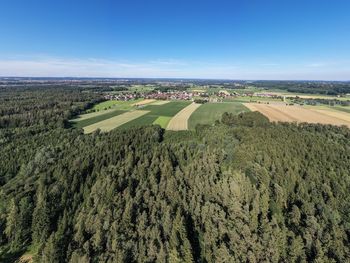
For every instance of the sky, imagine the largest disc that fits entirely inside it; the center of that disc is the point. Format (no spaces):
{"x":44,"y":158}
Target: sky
{"x":246,"y":39}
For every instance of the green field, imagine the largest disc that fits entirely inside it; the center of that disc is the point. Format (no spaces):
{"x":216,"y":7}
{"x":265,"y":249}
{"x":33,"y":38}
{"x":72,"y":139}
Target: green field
{"x":166,"y":111}
{"x":169,"y":109}
{"x":111,"y":104}
{"x":210,"y":112}
{"x":162,"y":121}
{"x":342,"y":108}
{"x":80,"y":123}
{"x":114,"y":122}
{"x":141,"y":121}
{"x":91,"y":115}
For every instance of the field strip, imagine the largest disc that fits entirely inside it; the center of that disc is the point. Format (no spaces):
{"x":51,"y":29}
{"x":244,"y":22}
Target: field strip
{"x":160,"y":102}
{"x":300,"y":114}
{"x":336,"y":114}
{"x":92,"y":114}
{"x":143,"y":102}
{"x":115,"y":122}
{"x":162,"y":121}
{"x":273,"y":114}
{"x":180,"y":120}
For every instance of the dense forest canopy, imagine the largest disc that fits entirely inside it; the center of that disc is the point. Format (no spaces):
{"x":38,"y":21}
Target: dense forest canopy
{"x":244,"y":190}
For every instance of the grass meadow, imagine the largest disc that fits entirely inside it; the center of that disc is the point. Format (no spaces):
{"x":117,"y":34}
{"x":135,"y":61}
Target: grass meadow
{"x":210,"y":112}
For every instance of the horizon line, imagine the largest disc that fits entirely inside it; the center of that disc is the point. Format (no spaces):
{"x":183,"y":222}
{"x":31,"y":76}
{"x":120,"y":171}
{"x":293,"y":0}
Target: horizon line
{"x":168,"y":78}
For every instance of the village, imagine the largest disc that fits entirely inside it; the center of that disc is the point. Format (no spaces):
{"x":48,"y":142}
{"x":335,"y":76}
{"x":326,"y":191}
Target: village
{"x":189,"y":95}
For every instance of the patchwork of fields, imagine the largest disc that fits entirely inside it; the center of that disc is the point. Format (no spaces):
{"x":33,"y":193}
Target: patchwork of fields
{"x":165,"y":111}
{"x":283,"y":113}
{"x":114,"y":122}
{"x":184,"y":115}
{"x":170,"y":115}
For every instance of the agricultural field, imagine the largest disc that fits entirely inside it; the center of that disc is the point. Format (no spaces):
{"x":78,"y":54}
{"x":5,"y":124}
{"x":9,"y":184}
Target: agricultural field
{"x":160,"y":102}
{"x":125,"y":114}
{"x":114,"y":122}
{"x":210,"y":112}
{"x":180,"y":121}
{"x":162,"y":121}
{"x":167,"y":110}
{"x":84,"y":121}
{"x":244,"y":99}
{"x":171,"y":115}
{"x":282,"y":93}
{"x":143,"y":102}
{"x":331,"y":108}
{"x":283,"y":113}
{"x":115,"y":104}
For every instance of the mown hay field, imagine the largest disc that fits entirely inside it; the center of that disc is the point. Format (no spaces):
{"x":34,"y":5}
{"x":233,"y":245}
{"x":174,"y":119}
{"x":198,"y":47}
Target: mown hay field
{"x":299,"y":114}
{"x":180,"y":121}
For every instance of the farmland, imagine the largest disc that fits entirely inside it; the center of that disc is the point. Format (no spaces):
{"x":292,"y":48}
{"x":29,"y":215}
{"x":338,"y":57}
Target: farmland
{"x":114,"y":122}
{"x":283,"y":113}
{"x":180,"y":121}
{"x":142,"y":102}
{"x":210,"y":112}
{"x":80,"y":123}
{"x":126,"y":114}
{"x":167,"y":111}
{"x":162,"y":121}
{"x":161,"y":113}
{"x":114,"y":104}
{"x":171,"y":114}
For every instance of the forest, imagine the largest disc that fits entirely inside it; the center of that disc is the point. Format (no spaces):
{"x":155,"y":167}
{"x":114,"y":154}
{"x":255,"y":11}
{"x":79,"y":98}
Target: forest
{"x":311,"y":87}
{"x":243,"y":190}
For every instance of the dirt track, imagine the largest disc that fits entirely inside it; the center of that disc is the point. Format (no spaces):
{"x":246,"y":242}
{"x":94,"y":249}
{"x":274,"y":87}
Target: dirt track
{"x":299,"y":114}
{"x":180,"y":121}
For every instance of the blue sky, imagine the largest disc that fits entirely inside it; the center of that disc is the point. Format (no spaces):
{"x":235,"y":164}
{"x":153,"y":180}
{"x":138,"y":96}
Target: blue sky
{"x":247,"y":39}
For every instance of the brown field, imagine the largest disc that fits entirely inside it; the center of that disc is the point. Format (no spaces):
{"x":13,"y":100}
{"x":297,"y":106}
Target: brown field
{"x":180,"y":121}
{"x":336,"y":114}
{"x":160,"y":102}
{"x":299,"y":114}
{"x":115,"y":122}
{"x":143,"y":102}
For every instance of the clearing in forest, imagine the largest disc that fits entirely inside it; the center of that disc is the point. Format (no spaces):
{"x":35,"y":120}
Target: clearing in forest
{"x":155,"y":111}
{"x":180,"y":121}
{"x":298,"y":114}
{"x":114,"y":122}
{"x":208,"y":113}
